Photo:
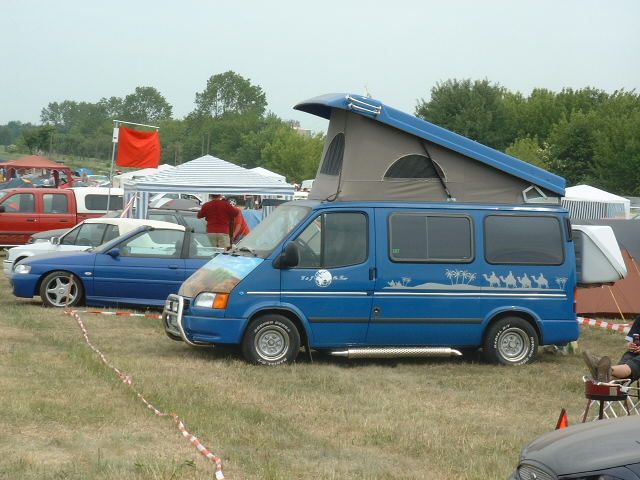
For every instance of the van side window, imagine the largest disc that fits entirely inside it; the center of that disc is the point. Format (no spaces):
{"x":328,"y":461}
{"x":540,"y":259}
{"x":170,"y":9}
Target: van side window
{"x":512,"y":239}
{"x":430,"y":238}
{"x":334,"y":240}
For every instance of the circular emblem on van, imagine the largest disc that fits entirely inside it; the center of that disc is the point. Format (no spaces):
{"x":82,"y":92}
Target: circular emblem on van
{"x":323,"y":278}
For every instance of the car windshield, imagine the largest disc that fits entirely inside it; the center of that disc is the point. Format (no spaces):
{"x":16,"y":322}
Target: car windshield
{"x":272,"y":230}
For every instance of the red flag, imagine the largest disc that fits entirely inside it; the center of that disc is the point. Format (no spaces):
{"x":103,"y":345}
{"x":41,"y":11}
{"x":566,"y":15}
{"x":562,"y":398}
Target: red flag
{"x":563,"y":420}
{"x":138,"y":149}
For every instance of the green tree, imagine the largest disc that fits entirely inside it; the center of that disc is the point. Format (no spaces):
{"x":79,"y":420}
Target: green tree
{"x":230,"y":93}
{"x":37,"y":139}
{"x":292,"y":154}
{"x":572,"y":148}
{"x":476,"y":110}
{"x":617,"y":154}
{"x":145,"y":105}
{"x":529,"y":150}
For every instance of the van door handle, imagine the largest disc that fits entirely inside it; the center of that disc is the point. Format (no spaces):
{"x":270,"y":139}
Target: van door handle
{"x":372,"y":273}
{"x":31,"y":219}
{"x":63,"y":220}
{"x":173,"y":267}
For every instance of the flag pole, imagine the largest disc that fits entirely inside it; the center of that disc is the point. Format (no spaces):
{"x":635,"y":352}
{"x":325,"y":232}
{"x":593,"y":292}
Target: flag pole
{"x":116,"y":132}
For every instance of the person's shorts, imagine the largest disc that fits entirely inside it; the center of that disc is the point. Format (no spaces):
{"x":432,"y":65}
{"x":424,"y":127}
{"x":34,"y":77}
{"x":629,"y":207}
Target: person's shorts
{"x":219,"y":240}
{"x":632,"y":360}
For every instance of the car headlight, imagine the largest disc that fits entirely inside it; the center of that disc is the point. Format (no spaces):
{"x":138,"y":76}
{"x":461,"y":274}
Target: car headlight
{"x":21,"y":268}
{"x":212,"y":300}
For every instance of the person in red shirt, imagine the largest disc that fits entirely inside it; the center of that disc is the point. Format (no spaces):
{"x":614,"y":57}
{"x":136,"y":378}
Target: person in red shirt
{"x":241,"y":227}
{"x":220,"y":216}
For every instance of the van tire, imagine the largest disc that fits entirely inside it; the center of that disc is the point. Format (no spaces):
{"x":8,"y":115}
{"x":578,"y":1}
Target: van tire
{"x":51,"y":290}
{"x":510,"y":341}
{"x":271,"y":340}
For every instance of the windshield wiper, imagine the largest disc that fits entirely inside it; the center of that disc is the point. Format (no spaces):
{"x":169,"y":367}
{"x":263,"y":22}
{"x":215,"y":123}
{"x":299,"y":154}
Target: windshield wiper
{"x":247,"y":249}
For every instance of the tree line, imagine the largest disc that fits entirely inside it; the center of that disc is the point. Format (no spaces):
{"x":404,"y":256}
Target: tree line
{"x":585,"y":135}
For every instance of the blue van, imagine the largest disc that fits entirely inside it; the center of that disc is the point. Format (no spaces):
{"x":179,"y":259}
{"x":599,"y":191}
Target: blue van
{"x":386,"y":279}
{"x":415,"y":241}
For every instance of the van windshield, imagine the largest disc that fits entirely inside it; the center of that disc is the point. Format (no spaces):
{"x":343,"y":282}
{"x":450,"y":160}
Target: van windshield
{"x":272,"y":230}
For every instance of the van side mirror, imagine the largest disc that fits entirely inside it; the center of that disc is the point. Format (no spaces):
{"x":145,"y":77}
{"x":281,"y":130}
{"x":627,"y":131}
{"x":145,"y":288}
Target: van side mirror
{"x":290,"y":256}
{"x":1,"y":208}
{"x":114,"y":252}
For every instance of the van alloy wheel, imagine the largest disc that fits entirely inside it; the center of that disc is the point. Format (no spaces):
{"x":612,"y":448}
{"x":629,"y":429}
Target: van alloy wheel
{"x":272,"y":343}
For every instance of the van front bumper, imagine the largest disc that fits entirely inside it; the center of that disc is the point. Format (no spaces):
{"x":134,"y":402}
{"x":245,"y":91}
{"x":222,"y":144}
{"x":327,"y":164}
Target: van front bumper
{"x":199,"y":326}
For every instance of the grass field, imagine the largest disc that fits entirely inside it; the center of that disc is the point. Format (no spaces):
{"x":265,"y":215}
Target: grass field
{"x":67,"y":416}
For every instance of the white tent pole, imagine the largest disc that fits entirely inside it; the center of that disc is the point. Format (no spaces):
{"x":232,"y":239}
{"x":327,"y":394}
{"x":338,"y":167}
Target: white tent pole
{"x":116,"y":133}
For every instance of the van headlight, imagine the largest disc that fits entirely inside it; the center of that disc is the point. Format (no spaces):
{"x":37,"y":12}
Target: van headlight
{"x":212,"y":300}
{"x":20,"y":268}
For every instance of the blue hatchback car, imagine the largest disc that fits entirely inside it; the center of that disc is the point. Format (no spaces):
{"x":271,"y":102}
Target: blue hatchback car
{"x":142,"y":267}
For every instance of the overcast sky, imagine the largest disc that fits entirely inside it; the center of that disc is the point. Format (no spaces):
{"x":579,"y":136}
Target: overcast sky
{"x":84,"y":50}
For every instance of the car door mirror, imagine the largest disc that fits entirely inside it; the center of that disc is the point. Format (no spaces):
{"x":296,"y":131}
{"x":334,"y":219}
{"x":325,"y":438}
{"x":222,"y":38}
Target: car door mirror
{"x":290,"y":256}
{"x":55,"y":240}
{"x":1,"y":208}
{"x":114,"y":252}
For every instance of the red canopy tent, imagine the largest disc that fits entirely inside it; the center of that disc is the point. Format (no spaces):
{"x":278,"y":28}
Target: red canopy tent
{"x":35,"y":161}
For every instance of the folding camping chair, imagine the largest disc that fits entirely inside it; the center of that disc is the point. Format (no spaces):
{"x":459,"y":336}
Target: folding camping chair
{"x":615,"y":399}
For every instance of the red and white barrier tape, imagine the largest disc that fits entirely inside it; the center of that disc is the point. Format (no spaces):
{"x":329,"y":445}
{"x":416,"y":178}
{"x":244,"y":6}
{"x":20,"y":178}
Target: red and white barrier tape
{"x":592,"y":322}
{"x":156,"y":316}
{"x":127,"y":380}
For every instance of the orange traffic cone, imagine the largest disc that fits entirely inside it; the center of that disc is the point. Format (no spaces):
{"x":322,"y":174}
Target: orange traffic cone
{"x":563,"y":419}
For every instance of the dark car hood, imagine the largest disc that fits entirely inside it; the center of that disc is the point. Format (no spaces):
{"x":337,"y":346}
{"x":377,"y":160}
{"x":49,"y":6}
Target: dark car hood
{"x":588,"y":446}
{"x":61,"y":258}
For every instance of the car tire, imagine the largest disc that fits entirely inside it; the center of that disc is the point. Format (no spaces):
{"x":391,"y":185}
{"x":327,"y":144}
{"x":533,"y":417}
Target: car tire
{"x":271,"y":340}
{"x":54,"y":288}
{"x":510,"y":341}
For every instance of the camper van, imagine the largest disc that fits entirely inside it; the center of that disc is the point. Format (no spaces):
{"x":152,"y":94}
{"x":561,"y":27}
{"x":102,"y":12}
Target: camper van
{"x":414,"y":241}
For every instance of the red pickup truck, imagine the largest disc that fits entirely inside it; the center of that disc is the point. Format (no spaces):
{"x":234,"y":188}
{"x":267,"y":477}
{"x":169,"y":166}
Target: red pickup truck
{"x":25,"y":211}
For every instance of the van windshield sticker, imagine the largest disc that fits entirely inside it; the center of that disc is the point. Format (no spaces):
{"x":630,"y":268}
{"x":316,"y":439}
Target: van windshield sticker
{"x":464,"y":280}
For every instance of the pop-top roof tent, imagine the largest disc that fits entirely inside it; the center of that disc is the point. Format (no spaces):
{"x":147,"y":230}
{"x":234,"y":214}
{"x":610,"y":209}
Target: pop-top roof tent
{"x":206,"y":174}
{"x":585,"y":201}
{"x":375,"y":152}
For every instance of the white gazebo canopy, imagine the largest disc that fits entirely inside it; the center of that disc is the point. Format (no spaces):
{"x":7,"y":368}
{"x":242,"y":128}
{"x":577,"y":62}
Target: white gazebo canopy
{"x":269,"y":173}
{"x":206,"y":174}
{"x":118,"y":180}
{"x":587,"y":202}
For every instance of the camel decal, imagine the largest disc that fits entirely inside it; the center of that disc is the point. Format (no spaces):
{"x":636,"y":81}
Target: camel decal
{"x":464,"y":280}
{"x":510,"y":281}
{"x":525,"y":281}
{"x":541,"y":281}
{"x":493,"y":279}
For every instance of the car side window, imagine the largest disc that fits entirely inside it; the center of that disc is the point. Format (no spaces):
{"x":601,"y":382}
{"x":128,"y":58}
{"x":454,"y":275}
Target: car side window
{"x":20,"y":203}
{"x":55,"y":203}
{"x":153,"y":243}
{"x":111,"y":232}
{"x":70,"y":237}
{"x":90,"y":234}
{"x":334,"y":240}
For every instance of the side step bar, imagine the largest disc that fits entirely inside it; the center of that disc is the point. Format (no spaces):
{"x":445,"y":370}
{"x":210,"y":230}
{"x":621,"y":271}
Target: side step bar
{"x":394,"y":352}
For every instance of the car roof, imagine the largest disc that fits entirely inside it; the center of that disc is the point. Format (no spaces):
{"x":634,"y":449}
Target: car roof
{"x":132,"y":223}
